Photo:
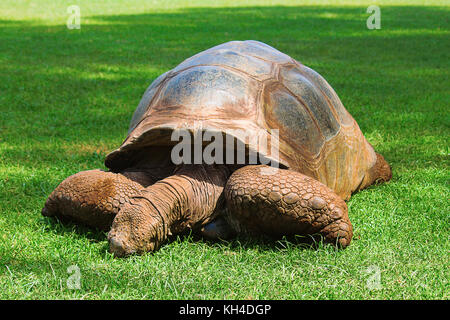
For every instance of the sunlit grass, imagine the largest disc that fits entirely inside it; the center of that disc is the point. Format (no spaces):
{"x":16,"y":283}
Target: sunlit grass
{"x":66,"y":98}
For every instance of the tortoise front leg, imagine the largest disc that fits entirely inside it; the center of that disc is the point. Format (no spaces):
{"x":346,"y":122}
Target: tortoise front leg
{"x":277,"y":202}
{"x":94,"y":197}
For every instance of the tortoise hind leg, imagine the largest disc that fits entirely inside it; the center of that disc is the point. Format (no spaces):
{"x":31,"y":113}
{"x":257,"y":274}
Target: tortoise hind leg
{"x":285,"y":203}
{"x":381,"y":171}
{"x":94,"y":197}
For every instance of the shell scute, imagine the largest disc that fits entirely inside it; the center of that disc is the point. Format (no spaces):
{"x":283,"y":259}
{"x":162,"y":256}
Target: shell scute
{"x":344,"y":117}
{"x":256,"y":49}
{"x":240,"y":62}
{"x":206,"y":89}
{"x":285,"y":112}
{"x":312,"y":99}
{"x":146,"y":100}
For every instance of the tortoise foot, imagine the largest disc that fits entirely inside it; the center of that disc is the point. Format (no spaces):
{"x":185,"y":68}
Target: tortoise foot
{"x":286,"y":203}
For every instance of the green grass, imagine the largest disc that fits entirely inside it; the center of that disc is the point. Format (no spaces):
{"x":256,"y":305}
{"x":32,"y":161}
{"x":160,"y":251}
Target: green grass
{"x":66,"y":98}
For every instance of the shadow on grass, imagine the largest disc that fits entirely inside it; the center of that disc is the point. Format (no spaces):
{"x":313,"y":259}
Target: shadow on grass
{"x":65,"y":87}
{"x":66,"y":227}
{"x":261,"y":242}
{"x":83,"y":85}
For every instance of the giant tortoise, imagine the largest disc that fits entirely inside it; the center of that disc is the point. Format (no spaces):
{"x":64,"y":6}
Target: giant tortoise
{"x":313,"y":157}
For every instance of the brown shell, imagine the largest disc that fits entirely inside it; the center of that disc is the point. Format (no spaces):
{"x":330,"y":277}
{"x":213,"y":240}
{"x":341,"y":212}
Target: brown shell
{"x":251,"y":86}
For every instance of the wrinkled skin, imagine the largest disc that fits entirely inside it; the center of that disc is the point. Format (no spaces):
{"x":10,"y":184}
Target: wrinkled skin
{"x":143,"y":207}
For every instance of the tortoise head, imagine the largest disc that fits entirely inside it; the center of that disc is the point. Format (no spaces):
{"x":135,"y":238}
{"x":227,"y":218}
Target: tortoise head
{"x":135,"y":230}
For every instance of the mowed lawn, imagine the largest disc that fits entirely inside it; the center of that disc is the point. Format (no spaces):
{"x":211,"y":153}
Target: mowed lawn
{"x":67,"y":96}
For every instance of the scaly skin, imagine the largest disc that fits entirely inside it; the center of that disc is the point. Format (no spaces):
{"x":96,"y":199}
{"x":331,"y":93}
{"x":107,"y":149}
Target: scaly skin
{"x":283,"y":202}
{"x":381,"y":171}
{"x":94,"y":197}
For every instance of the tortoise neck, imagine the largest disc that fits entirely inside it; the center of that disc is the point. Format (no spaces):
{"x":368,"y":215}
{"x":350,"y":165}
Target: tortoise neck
{"x":190,"y":198}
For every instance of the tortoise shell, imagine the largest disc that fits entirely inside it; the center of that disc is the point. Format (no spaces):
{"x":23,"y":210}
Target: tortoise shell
{"x":251,"y":86}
